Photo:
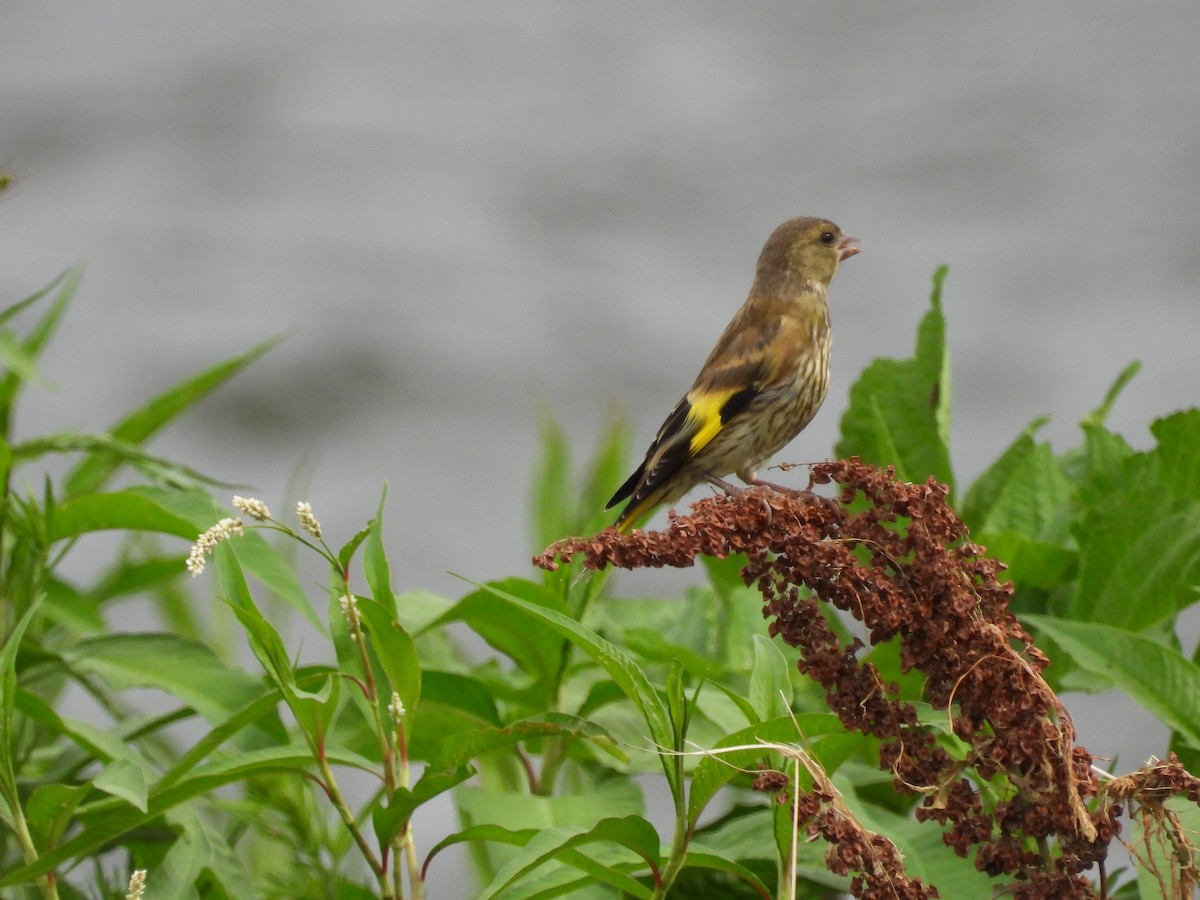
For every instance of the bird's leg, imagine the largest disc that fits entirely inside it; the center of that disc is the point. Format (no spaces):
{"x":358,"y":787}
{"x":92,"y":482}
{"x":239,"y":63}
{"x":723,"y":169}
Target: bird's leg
{"x":751,"y":477}
{"x":731,"y":489}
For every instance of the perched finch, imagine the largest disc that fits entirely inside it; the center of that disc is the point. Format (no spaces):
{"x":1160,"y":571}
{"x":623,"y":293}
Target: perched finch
{"x":763,"y":381}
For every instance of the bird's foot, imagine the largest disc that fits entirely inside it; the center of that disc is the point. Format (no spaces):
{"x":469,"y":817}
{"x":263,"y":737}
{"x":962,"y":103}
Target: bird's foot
{"x":733,"y":490}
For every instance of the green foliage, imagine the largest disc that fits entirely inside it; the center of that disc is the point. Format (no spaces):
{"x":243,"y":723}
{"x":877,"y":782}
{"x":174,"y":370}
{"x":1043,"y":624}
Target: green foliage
{"x":548,"y":743}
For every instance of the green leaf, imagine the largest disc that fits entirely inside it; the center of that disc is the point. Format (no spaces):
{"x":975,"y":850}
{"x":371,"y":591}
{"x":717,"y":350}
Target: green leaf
{"x":396,"y":652}
{"x":1158,"y":677}
{"x":184,"y":668}
{"x":632,"y":832}
{"x":123,"y":510}
{"x":602,"y":800}
{"x":1178,"y":438}
{"x":619,"y":666}
{"x":1139,"y":560}
{"x":113,"y":819}
{"x":700,"y":856}
{"x":459,"y":748}
{"x":123,"y":779}
{"x":605,"y":471}
{"x":1099,"y":415}
{"x":552,"y":489}
{"x":389,"y":820}
{"x":375,"y":562}
{"x":770,"y":681}
{"x":535,"y":646}
{"x":144,"y":422}
{"x":718,"y":768}
{"x":560,"y":882}
{"x":265,"y":641}
{"x":37,"y":339}
{"x":49,"y":810}
{"x":8,"y":699}
{"x":1023,"y":492}
{"x":899,"y":412}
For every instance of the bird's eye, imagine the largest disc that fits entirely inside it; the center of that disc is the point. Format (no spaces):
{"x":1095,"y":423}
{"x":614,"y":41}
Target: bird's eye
{"x":827,"y":237}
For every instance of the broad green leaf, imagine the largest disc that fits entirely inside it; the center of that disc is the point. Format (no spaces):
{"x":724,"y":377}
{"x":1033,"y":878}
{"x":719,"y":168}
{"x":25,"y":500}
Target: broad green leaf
{"x":899,"y":412}
{"x":718,"y":768}
{"x":116,"y":818}
{"x":142,"y":423}
{"x":632,"y":832}
{"x":121,"y":452}
{"x":416,"y":610}
{"x":770,"y":681}
{"x":195,"y":850}
{"x":450,"y":703}
{"x":619,"y":666}
{"x":1158,"y":677}
{"x":1139,"y":560}
{"x":186,"y":669}
{"x":925,"y":853}
{"x":1023,"y":492}
{"x":49,"y":809}
{"x":700,"y":856}
{"x":396,"y":652}
{"x":346,"y":553}
{"x":388,"y":820}
{"x":1178,"y":437}
{"x":535,"y":646}
{"x":607,"y":799}
{"x":557,"y":883}
{"x":253,"y":727}
{"x":125,"y":780}
{"x":654,"y":647}
{"x":123,"y":510}
{"x":459,"y":748}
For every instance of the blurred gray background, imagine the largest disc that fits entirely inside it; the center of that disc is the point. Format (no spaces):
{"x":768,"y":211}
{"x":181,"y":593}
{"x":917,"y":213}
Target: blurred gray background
{"x":473,"y":211}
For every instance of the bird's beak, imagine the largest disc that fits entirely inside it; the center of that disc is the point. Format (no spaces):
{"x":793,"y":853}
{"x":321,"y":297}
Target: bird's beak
{"x":846,"y":248}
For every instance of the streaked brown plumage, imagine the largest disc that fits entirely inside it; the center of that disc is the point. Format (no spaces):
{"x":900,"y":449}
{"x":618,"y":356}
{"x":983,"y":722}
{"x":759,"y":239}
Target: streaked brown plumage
{"x":763,"y":381}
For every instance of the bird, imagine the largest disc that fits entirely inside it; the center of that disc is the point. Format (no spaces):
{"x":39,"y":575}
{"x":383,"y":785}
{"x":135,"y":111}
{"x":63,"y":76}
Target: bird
{"x":761,"y":384}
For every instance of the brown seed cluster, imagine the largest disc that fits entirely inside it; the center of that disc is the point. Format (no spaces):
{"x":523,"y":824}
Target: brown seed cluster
{"x":898,"y":559}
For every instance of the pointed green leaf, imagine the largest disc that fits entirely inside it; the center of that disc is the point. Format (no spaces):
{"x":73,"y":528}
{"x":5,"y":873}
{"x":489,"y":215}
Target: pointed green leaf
{"x":123,"y":510}
{"x":396,"y":652}
{"x":718,"y":768}
{"x":771,"y":680}
{"x":123,"y":779}
{"x":459,"y":748}
{"x":619,"y":666}
{"x":8,"y":700}
{"x":186,"y":669}
{"x":1158,"y":677}
{"x":899,"y":411}
{"x":388,"y":820}
{"x":536,"y":647}
{"x":49,"y":810}
{"x":145,"y":421}
{"x":632,"y":832}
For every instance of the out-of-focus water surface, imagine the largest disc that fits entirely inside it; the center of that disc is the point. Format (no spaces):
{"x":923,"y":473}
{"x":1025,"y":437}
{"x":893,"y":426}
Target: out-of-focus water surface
{"x":471,"y":211}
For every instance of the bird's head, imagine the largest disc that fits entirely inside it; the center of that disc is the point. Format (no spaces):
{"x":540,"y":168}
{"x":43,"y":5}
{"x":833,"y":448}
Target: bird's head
{"x":803,"y":251}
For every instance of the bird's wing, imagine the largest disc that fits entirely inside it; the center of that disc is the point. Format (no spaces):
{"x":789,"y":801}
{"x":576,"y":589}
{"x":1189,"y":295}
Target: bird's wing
{"x":738,"y":369}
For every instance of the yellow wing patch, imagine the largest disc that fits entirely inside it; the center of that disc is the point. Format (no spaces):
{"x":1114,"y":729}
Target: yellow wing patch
{"x":705,"y":414}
